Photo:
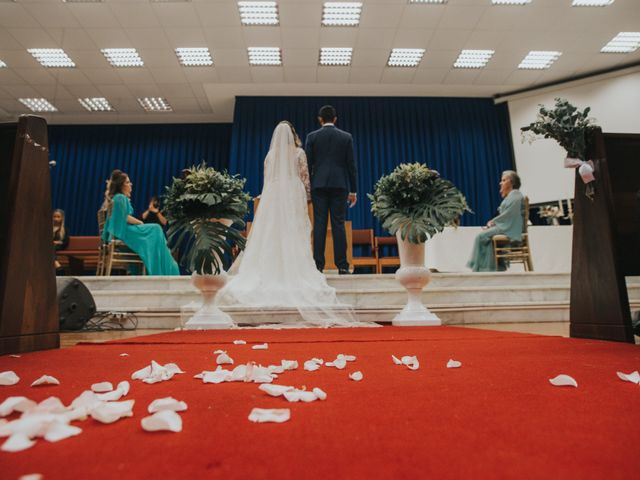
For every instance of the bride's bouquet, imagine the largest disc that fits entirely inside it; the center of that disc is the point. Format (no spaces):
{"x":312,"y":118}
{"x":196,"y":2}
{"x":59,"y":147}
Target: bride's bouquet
{"x":205,"y":209}
{"x":417,"y":202}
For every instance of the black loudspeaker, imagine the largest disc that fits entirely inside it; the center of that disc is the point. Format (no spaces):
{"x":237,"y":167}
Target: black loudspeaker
{"x":75,"y":303}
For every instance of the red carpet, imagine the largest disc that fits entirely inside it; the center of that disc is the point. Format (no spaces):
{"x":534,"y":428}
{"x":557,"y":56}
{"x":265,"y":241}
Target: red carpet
{"x":496,"y":417}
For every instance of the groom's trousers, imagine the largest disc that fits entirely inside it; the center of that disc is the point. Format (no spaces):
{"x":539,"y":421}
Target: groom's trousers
{"x":329,"y":201}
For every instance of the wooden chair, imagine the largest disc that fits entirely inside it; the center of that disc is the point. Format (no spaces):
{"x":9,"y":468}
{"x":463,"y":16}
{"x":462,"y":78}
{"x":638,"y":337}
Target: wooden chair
{"x":365,"y":238}
{"x":115,"y":253}
{"x":515,"y":252}
{"x":384,"y":261}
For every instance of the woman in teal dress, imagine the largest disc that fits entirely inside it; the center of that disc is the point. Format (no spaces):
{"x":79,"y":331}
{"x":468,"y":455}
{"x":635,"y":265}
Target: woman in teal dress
{"x":147,"y":240}
{"x":508,"y":222}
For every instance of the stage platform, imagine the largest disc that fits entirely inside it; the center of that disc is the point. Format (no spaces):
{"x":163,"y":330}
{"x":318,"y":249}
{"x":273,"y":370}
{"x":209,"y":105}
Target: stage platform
{"x":457,"y":298}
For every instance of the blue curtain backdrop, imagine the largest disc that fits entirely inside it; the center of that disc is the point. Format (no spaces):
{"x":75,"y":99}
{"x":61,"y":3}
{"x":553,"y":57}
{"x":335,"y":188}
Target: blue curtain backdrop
{"x":466,"y":139}
{"x":150,"y":154}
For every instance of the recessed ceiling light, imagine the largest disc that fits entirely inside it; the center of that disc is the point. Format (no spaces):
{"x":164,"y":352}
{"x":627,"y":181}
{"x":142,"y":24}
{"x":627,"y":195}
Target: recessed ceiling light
{"x":258,"y":13}
{"x":335,"y":56}
{"x":265,"y":56}
{"x":405,"y":57}
{"x":510,"y":2}
{"x":96,"y":104}
{"x":155,"y":104}
{"x":123,"y":57}
{"x":341,"y":14}
{"x":427,"y":1}
{"x":38,"y":104}
{"x":194,"y":57}
{"x":82,"y":1}
{"x":2,"y":64}
{"x":624,"y":42}
{"x":473,"y":58}
{"x":591,"y":3}
{"x":52,"y":57}
{"x":539,"y":60}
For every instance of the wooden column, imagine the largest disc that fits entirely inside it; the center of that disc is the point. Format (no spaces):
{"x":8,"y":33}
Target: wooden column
{"x":28,"y":304}
{"x":606,"y":240}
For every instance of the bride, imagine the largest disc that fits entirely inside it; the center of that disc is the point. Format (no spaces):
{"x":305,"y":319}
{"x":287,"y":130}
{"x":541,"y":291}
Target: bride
{"x":277,"y":269}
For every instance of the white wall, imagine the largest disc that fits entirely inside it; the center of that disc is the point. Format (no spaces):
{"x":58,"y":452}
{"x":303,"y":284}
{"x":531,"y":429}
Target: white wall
{"x":615,"y":104}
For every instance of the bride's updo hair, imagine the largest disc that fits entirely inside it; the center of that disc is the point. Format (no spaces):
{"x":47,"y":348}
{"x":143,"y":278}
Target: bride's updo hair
{"x":296,"y":138}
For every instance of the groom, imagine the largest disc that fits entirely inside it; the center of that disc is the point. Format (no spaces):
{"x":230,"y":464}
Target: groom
{"x":333,"y":182}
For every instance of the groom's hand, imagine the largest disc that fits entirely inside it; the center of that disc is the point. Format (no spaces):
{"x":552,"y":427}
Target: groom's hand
{"x":353,"y":198}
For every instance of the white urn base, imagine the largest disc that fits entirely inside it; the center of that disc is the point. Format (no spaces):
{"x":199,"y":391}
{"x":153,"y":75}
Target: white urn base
{"x":209,"y":316}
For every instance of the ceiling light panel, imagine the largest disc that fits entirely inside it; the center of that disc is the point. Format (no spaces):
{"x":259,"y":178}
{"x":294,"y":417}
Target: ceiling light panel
{"x":510,"y":2}
{"x":52,"y":57}
{"x":123,"y":57}
{"x":155,"y":104}
{"x":539,"y":60}
{"x":81,"y":1}
{"x":624,"y":42}
{"x":261,"y":56}
{"x":473,"y":58}
{"x":336,"y":56}
{"x":258,"y":13}
{"x":96,"y":104}
{"x":591,"y":3}
{"x":38,"y":104}
{"x":427,"y":1}
{"x":341,"y":14}
{"x":194,"y":57}
{"x":405,"y":57}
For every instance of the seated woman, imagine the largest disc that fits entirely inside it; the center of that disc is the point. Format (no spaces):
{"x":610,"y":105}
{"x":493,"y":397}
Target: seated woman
{"x":147,"y":240}
{"x":508,"y":222}
{"x":60,"y":234}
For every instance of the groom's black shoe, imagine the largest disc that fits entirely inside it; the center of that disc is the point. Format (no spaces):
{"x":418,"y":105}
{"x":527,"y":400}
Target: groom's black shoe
{"x":344,"y":271}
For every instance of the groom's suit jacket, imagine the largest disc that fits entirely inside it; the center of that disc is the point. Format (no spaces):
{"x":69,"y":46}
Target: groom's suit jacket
{"x":330,"y":157}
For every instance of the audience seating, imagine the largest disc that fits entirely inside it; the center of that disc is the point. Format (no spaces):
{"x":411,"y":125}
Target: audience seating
{"x":515,"y":252}
{"x":365,"y":238}
{"x":386,"y":261}
{"x":115,"y":254}
{"x":81,"y":254}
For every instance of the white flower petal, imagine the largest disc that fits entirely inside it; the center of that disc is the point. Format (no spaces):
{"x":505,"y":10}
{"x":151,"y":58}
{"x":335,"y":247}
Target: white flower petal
{"x":300,"y":396}
{"x":124,"y":354}
{"x":311,"y":366}
{"x":357,"y":376}
{"x":46,"y":380}
{"x":17,"y":443}
{"x":15,"y":404}
{"x":110,"y":412}
{"x":321,"y":394}
{"x":453,"y":364}
{"x":411,"y":362}
{"x":289,"y":364}
{"x":165,"y":420}
{"x":276,"y":415}
{"x":563,"y":381}
{"x":86,"y":399}
{"x":9,"y":378}
{"x":51,"y":405}
{"x":15,"y":356}
{"x":275,"y":390}
{"x":396,"y":360}
{"x":102,"y":387}
{"x":239,"y":342}
{"x":168,"y":403}
{"x":59,"y":431}
{"x":224,"y":359}
{"x":31,"y":476}
{"x":260,"y":346}
{"x":633,"y":377}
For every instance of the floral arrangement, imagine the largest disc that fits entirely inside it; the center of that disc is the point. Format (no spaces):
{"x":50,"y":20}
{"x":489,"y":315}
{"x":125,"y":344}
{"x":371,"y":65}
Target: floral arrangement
{"x":567,"y":125}
{"x":416,"y":201}
{"x":195,"y":206}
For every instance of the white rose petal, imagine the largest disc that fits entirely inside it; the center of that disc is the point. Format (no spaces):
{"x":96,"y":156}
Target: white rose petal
{"x":411,"y":362}
{"x":311,"y":366}
{"x":563,"y":381}
{"x":633,"y":377}
{"x":260,"y":346}
{"x":59,"y":431}
{"x":275,"y":390}
{"x":239,"y":342}
{"x":300,"y":396}
{"x":46,"y":380}
{"x":15,"y":404}
{"x":165,"y":420}
{"x":396,"y":360}
{"x":110,"y":412}
{"x":124,"y":354}
{"x":168,"y":403}
{"x":289,"y":364}
{"x":9,"y":378}
{"x":276,"y":415}
{"x":31,"y":476}
{"x":224,"y":359}
{"x":453,"y":364}
{"x":102,"y":387}
{"x":17,"y":443}
{"x":357,"y":376}
{"x":321,"y":394}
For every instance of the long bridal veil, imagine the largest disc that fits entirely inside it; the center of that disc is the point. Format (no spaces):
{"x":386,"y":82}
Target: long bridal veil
{"x":276,"y":269}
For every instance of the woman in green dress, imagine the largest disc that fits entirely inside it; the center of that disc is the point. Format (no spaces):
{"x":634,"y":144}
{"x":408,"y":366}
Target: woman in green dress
{"x":147,"y":240}
{"x":508,"y":222}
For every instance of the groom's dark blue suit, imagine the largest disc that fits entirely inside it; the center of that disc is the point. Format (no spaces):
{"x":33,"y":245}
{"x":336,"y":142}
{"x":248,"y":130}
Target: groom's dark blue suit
{"x":333,"y":176}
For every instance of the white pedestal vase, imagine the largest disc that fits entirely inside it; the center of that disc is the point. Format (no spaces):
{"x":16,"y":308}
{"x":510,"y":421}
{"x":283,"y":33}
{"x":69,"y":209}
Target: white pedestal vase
{"x":209,"y":316}
{"x":414,"y":276}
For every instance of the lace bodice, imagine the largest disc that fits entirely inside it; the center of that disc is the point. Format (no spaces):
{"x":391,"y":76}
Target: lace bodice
{"x":303,"y":171}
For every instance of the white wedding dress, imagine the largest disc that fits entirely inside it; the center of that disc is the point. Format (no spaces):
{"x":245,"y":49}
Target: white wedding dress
{"x":276,"y":269}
